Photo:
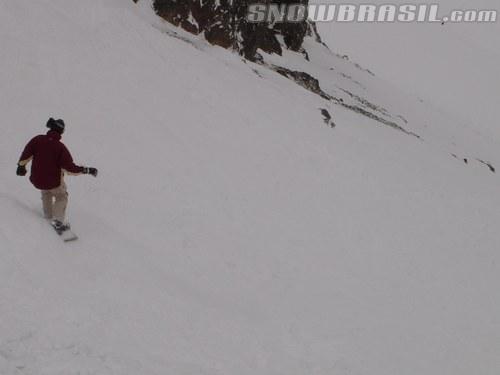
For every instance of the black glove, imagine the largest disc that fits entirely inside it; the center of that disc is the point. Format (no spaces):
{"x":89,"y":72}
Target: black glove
{"x":21,"y":170}
{"x":91,"y":171}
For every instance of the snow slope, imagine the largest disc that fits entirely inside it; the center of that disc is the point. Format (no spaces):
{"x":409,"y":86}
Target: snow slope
{"x":456,"y":66}
{"x":231,"y":231}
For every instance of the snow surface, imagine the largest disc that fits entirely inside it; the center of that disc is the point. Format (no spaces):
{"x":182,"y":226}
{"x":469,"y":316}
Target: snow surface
{"x":230,"y":230}
{"x":455,"y":66}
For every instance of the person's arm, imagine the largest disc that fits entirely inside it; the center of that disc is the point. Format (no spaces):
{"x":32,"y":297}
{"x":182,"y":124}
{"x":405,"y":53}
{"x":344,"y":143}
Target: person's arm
{"x":28,"y":152}
{"x":67,"y":164}
{"x":26,"y":157}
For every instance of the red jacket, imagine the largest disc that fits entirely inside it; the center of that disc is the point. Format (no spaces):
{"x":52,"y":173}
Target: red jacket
{"x":50,"y":157}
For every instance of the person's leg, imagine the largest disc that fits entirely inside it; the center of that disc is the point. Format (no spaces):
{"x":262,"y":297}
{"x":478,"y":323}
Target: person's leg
{"x":48,"y":203}
{"x":61,"y":202}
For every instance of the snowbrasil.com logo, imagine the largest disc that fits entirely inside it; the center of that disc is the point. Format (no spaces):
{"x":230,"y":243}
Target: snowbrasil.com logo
{"x":280,"y":13}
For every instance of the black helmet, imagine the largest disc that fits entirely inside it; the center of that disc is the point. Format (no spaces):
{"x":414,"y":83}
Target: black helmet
{"x":56,"y":125}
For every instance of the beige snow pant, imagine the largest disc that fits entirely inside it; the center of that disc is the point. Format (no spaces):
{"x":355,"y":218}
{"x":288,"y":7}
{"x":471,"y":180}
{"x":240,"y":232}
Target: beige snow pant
{"x":55,"y":202}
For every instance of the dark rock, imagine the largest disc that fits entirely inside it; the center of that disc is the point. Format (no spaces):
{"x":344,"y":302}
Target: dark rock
{"x":224,"y":23}
{"x":489,"y":165}
{"x":327,"y":118}
{"x":303,"y":79}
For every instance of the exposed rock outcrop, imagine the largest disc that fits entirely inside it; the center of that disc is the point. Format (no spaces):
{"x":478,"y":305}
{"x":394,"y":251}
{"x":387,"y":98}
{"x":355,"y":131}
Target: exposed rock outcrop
{"x":303,"y":79}
{"x":224,"y":23}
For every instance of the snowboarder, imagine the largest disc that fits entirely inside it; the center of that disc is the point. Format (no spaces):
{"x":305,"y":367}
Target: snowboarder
{"x":50,"y":161}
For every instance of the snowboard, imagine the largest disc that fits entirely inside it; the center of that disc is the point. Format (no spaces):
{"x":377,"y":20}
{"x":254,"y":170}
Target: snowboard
{"x":66,"y":235}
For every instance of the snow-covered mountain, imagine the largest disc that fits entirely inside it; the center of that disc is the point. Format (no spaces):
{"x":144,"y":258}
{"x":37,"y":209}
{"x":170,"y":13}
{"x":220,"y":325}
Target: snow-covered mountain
{"x":453,"y":66}
{"x":242,"y":223}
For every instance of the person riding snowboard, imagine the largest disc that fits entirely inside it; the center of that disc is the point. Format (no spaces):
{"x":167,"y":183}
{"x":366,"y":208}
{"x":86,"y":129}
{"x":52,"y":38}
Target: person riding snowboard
{"x":50,"y":160}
